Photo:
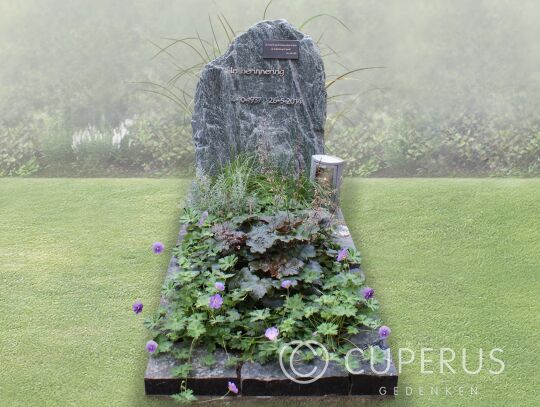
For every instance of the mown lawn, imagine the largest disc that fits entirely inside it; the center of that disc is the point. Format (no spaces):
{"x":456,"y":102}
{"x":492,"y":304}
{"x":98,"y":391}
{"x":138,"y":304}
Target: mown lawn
{"x":455,"y":264}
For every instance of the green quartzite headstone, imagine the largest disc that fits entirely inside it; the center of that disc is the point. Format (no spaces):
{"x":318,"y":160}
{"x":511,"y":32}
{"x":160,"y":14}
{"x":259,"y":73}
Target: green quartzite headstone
{"x":265,"y":96}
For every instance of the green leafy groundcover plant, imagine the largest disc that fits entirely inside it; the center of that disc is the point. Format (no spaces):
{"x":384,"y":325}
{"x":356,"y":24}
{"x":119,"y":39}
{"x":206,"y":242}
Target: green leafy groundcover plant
{"x":251,"y":283}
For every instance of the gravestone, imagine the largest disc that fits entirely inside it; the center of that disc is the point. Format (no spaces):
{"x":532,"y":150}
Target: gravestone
{"x":265,"y":96}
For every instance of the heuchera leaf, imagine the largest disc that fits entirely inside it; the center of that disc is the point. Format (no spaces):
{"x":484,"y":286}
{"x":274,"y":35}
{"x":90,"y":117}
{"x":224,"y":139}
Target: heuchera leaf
{"x":282,"y":222}
{"x":260,"y":239}
{"x":291,"y":268}
{"x":256,"y":286}
{"x":308,"y":251}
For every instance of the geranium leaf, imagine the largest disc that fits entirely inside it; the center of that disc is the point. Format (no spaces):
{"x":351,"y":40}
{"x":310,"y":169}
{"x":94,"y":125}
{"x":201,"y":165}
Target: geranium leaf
{"x":327,"y":328}
{"x":259,"y":315}
{"x":195,"y":328}
{"x":311,"y":272}
{"x":228,"y":262}
{"x":209,"y":360}
{"x":182,"y":370}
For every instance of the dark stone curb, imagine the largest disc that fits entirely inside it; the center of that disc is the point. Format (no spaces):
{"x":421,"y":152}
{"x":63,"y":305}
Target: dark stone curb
{"x":203,"y":380}
{"x":256,"y":380}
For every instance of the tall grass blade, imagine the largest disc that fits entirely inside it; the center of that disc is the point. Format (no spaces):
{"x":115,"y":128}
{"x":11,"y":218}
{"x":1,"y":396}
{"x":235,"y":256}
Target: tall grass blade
{"x":214,"y":34}
{"x":185,"y":71}
{"x":266,"y":9}
{"x":343,"y":76}
{"x":333,"y":51}
{"x":209,"y":58}
{"x":182,"y":41}
{"x":228,"y":25}
{"x":338,"y":96}
{"x":225,"y":30}
{"x":309,"y":20}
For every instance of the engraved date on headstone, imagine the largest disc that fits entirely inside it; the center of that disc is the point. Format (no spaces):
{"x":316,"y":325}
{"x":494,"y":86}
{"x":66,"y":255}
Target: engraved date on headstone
{"x":254,"y":100}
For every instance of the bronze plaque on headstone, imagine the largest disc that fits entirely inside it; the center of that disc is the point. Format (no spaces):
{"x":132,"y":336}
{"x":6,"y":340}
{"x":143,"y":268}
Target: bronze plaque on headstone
{"x":280,"y":49}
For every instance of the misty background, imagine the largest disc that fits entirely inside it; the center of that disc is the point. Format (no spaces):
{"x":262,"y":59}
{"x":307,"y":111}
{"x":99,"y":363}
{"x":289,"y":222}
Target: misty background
{"x":81,"y":87}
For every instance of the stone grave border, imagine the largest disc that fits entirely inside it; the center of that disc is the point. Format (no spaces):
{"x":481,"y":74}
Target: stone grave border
{"x":255,"y":380}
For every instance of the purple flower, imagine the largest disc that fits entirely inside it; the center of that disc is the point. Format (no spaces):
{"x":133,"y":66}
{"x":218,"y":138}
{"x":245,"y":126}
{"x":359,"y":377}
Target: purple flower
{"x":367,"y":292}
{"x":204,"y":215}
{"x":384,"y":332}
{"x":286,"y":283}
{"x":137,"y":307}
{"x":219,"y":286}
{"x":342,"y":254}
{"x":233,"y":388}
{"x":158,"y":247}
{"x":151,"y":346}
{"x":216,"y":301}
{"x":271,"y":333}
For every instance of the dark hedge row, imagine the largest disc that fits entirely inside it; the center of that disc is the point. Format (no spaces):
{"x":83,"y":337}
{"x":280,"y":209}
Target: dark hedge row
{"x":381,"y":144}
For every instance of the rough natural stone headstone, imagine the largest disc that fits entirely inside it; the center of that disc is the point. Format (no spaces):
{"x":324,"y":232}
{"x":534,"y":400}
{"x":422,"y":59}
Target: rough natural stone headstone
{"x":285,"y":126}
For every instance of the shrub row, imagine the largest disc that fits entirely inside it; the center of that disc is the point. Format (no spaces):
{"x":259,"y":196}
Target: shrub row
{"x":146,"y":145}
{"x":379,"y":144}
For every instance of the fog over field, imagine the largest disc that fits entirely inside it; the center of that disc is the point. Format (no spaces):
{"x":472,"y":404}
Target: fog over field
{"x":79,"y":62}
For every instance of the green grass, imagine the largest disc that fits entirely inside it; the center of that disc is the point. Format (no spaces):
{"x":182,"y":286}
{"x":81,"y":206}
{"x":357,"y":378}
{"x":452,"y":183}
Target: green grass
{"x":455,"y":263}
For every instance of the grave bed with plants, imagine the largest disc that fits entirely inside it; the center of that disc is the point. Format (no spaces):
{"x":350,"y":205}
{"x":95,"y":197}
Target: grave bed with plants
{"x":263,"y":260}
